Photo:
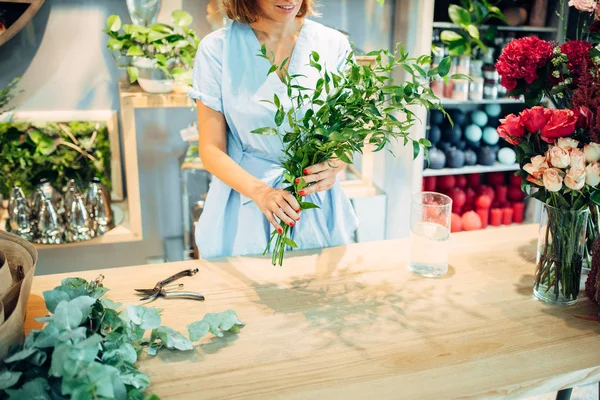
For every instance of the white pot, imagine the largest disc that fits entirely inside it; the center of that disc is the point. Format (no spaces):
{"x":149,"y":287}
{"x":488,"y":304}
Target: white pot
{"x":152,"y":79}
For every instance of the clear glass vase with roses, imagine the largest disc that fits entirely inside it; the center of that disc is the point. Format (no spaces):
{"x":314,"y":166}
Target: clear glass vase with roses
{"x":558,"y":146}
{"x":563,"y":173}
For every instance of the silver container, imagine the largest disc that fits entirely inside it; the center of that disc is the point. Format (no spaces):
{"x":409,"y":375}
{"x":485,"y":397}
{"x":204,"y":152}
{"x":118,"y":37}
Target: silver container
{"x":78,"y":226}
{"x":36,"y":204}
{"x":16,"y":194}
{"x":102,"y":215}
{"x":49,"y":229}
{"x":68,"y":203}
{"x":20,"y":219}
{"x":52,"y":194}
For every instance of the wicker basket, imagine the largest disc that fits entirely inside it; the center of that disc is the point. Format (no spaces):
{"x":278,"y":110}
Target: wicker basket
{"x":21,"y":257}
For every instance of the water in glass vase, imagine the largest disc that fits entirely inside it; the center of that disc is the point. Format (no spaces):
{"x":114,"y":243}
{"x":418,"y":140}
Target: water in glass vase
{"x":143,"y":12}
{"x":429,"y":249}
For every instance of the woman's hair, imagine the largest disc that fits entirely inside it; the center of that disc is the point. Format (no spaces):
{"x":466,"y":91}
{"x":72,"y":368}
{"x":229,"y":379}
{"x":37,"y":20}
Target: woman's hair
{"x":248,"y":11}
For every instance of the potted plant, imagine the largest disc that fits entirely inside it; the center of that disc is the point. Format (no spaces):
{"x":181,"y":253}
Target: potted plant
{"x":156,"y":55}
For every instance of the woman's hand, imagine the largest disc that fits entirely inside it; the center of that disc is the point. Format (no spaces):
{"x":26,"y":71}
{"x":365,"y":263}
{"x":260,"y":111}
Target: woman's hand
{"x":323,"y":175}
{"x":278,"y":203}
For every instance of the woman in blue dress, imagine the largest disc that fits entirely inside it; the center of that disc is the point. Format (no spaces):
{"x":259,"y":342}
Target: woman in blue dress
{"x":246,"y":199}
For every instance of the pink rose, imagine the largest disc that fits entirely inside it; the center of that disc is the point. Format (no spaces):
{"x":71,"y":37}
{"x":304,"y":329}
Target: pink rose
{"x":511,"y":129}
{"x":558,"y":158}
{"x":592,"y":174}
{"x":567,"y":143}
{"x":575,"y":179}
{"x":592,"y":152}
{"x":553,"y":179}
{"x":577,"y":158}
{"x":583,"y":5}
{"x":562,"y":123}
{"x":536,"y":169}
{"x":535,"y":119}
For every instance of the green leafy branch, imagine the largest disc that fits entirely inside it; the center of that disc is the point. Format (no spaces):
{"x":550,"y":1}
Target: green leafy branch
{"x":172,"y":48}
{"x":8,"y":93}
{"x":88,"y":348}
{"x":469,"y":19}
{"x":346,"y":110}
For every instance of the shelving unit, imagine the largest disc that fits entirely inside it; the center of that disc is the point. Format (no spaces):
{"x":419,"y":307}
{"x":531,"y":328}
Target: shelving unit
{"x":502,"y":28}
{"x":506,"y":100}
{"x":19,"y":24}
{"x":474,"y":169}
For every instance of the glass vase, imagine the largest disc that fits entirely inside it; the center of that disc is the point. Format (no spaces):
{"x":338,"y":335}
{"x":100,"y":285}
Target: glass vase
{"x":143,"y":12}
{"x":593,"y":231}
{"x":560,"y":254}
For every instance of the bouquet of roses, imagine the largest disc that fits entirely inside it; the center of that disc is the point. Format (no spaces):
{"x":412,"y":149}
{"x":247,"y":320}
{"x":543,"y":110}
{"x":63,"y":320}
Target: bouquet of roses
{"x":557,"y":148}
{"x":344,"y":111}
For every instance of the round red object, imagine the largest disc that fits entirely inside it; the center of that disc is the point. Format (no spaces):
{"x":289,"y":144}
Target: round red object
{"x":461,"y":181}
{"x":485,"y":190}
{"x":474,"y":179}
{"x":483,"y":202}
{"x":496,"y":178}
{"x":470,"y":195}
{"x":515,"y":180}
{"x":429,"y":183}
{"x":471,"y":221}
{"x":446,"y":182}
{"x":515,"y":193}
{"x":458,"y":197}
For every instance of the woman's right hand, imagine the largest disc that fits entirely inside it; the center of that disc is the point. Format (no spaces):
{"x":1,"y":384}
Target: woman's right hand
{"x":278,"y":203}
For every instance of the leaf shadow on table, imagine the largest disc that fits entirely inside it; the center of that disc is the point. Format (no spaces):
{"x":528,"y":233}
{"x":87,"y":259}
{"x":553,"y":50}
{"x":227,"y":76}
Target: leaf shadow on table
{"x":345,"y":302}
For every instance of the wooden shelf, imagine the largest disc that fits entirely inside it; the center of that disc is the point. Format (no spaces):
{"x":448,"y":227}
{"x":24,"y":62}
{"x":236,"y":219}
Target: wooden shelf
{"x":119,"y":234}
{"x":539,"y":29}
{"x":34,"y":6}
{"x":504,"y":100}
{"x":474,"y":169}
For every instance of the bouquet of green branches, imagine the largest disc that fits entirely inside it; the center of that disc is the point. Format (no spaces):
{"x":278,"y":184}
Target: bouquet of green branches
{"x":344,"y":111}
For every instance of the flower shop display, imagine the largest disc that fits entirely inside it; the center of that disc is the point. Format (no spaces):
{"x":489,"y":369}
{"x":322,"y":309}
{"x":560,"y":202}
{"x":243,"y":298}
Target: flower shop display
{"x":344,"y":111}
{"x":90,"y":345}
{"x":557,"y":151}
{"x":156,"y":55}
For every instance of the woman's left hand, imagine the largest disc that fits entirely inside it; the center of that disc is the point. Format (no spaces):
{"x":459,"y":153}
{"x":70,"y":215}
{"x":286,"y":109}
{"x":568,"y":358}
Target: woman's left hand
{"x":320,"y":177}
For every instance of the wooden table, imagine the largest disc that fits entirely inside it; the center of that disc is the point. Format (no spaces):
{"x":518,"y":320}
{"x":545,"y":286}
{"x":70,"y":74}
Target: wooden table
{"x":353,"y":322}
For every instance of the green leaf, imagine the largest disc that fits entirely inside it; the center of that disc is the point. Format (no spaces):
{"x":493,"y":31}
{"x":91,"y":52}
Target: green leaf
{"x":265,"y":131}
{"x":138,"y":380}
{"x":315,"y":56}
{"x":272,"y":69}
{"x":53,"y":297}
{"x":290,"y":243}
{"x":67,"y":317}
{"x":114,"y":44}
{"x":305,"y":205}
{"x":276,"y":100}
{"x":459,"y":15}
{"x":135,"y":51}
{"x":36,"y":389}
{"x":215,"y":323}
{"x":444,"y":67}
{"x":279,"y":116}
{"x":416,"y":149}
{"x":154,"y":36}
{"x":473,"y":31}
{"x":113,"y":23}
{"x":302,"y":184}
{"x":83,"y":304}
{"x":172,"y":339}
{"x":181,"y":18}
{"x":450,"y":36}
{"x":134,"y":73}
{"x":9,"y":378}
{"x":144,"y":317}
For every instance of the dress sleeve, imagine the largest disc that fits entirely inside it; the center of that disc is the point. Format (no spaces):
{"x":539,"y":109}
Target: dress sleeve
{"x":207,"y":74}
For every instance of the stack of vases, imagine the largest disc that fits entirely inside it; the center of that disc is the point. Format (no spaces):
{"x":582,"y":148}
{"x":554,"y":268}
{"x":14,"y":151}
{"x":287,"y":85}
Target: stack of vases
{"x":52,"y":217}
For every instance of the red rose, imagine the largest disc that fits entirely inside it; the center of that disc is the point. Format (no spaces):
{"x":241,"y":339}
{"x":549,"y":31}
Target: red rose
{"x":535,"y":119}
{"x":585,"y":117}
{"x":578,"y":54}
{"x":521,"y":59}
{"x":562,"y":123}
{"x":595,"y":27}
{"x":511,"y":129}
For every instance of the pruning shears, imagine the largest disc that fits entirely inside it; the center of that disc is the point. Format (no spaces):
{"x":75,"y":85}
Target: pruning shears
{"x":161,"y":289}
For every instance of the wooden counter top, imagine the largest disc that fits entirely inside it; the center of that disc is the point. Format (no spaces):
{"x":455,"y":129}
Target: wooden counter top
{"x":353,"y":322}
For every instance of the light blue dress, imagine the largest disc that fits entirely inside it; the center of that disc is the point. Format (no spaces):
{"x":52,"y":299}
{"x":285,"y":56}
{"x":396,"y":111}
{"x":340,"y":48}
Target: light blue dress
{"x":230,"y":78}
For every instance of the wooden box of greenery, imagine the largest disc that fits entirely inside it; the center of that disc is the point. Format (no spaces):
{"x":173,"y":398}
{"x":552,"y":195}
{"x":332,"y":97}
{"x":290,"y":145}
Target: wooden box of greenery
{"x":60,"y":145}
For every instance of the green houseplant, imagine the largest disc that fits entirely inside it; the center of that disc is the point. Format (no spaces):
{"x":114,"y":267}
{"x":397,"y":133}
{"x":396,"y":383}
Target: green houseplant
{"x":468,"y":40}
{"x":155,"y":55}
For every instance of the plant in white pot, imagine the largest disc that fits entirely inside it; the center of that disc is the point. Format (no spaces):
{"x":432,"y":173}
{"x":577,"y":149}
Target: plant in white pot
{"x":156,"y":55}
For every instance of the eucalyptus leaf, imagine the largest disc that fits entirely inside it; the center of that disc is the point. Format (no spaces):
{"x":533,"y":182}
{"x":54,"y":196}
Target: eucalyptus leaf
{"x":67,"y":317}
{"x":145,"y":317}
{"x":215,"y":323}
{"x":53,"y":297}
{"x":172,"y":339}
{"x":36,"y":389}
{"x":8,"y":379}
